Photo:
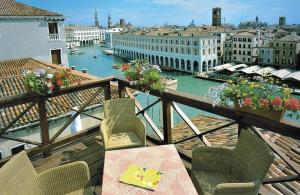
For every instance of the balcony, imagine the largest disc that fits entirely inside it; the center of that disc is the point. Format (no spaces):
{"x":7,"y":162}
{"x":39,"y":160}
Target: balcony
{"x":54,"y":37}
{"x":54,"y":148}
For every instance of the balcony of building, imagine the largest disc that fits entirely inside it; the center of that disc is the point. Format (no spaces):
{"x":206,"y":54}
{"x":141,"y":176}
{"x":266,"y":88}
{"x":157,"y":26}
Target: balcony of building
{"x":49,"y":118}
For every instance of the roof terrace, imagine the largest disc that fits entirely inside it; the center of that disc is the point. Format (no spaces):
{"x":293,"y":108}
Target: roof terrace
{"x":56,"y":145}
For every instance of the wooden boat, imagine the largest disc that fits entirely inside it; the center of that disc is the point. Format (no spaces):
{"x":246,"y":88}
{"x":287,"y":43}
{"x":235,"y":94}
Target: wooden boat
{"x":116,"y":66}
{"x":167,"y":68}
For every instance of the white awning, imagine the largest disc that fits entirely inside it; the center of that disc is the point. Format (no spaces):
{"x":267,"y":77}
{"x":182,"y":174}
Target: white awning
{"x":293,"y":76}
{"x":281,"y":73}
{"x":250,"y":69}
{"x":234,"y":68}
{"x":265,"y":71}
{"x":221,"y":67}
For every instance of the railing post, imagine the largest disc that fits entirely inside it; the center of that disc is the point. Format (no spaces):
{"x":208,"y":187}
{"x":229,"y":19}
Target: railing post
{"x":107,"y":91}
{"x":121,"y":90}
{"x":240,"y":127}
{"x":166,"y":109}
{"x":44,"y":125}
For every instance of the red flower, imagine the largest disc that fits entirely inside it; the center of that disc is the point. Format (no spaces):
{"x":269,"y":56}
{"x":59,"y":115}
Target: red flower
{"x":277,"y":102}
{"x":264,"y":103}
{"x":292,"y":104}
{"x":247,"y":102}
{"x":59,"y":83}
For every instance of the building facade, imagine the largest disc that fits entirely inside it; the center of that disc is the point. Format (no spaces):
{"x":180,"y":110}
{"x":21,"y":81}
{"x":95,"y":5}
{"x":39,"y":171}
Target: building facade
{"x":287,"y":51}
{"x":183,"y":53}
{"x":83,"y":35}
{"x":265,"y":55}
{"x":282,"y":21}
{"x":27,"y":31}
{"x":242,"y":46}
{"x":221,"y":38}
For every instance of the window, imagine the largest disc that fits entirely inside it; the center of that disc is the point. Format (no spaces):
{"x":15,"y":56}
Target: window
{"x":283,"y":61}
{"x":244,"y":52}
{"x":249,"y":53}
{"x":240,"y":45}
{"x":249,"y":40}
{"x":291,"y":53}
{"x":249,"y":59}
{"x":17,"y":149}
{"x":234,"y":51}
{"x":53,"y":28}
{"x":269,"y":60}
{"x":1,"y":155}
{"x":283,"y":44}
{"x":240,"y":52}
{"x":283,"y":52}
{"x":203,"y":51}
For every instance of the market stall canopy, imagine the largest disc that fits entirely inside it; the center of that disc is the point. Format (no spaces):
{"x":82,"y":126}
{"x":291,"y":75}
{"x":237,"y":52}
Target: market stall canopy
{"x":281,"y":73}
{"x":250,"y":70}
{"x":295,"y":76}
{"x":237,"y":67}
{"x":265,"y":71}
{"x":221,"y":67}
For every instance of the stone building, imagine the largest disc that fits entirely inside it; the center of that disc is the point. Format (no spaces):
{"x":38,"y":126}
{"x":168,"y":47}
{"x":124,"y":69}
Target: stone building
{"x":287,"y":51}
{"x":242,"y":46}
{"x":282,"y":21}
{"x":27,"y":31}
{"x":83,"y":35}
{"x":184,"y":51}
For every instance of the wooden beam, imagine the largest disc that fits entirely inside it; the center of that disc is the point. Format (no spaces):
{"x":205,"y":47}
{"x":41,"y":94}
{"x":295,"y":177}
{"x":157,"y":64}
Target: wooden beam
{"x":167,"y":124}
{"x":28,"y":97}
{"x":149,"y":106}
{"x":107,"y":91}
{"x":190,"y":124}
{"x":146,"y":116}
{"x":44,"y":126}
{"x":21,"y":140}
{"x":17,"y":118}
{"x":75,"y":115}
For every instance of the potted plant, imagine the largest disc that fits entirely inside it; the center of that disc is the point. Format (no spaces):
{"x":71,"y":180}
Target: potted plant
{"x":145,"y":75}
{"x":46,"y":81}
{"x":260,"y":97}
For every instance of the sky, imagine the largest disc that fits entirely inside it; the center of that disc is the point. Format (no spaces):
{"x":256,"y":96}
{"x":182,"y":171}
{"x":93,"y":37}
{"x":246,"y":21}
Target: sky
{"x":179,"y":12}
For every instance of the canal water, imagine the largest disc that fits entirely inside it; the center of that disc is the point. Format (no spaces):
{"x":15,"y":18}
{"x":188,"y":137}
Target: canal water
{"x":100,"y":64}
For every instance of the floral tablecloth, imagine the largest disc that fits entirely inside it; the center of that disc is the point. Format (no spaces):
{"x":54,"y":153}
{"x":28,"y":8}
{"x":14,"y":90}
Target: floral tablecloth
{"x":175,"y":179}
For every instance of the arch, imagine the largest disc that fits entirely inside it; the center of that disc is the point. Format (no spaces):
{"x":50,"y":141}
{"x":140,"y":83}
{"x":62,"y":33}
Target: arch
{"x":157,"y":60}
{"x":196,"y":66}
{"x":161,"y":61}
{"x":166,"y":61}
{"x":182,"y":67}
{"x":188,"y":65}
{"x":143,"y":56}
{"x":215,"y":63}
{"x":209,"y":64}
{"x":177,"y":63}
{"x":153,"y":59}
{"x":172,"y":62}
{"x":204,"y":66}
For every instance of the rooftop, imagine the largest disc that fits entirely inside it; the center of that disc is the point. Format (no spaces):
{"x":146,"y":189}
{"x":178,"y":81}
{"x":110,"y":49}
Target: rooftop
{"x":14,"y":8}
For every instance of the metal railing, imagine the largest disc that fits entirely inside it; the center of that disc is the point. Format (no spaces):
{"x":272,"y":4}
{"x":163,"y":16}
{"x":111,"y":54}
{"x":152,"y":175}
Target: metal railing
{"x":54,"y":37}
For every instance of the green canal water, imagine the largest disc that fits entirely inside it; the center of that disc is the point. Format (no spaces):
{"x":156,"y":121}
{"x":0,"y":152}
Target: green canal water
{"x":102,"y":66}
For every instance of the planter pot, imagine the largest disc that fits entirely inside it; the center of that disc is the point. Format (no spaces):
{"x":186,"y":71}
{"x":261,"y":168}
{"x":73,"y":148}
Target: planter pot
{"x":269,"y":114}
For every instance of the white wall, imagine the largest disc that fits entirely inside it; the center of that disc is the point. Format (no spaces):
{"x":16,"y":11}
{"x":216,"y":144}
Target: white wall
{"x":21,"y":39}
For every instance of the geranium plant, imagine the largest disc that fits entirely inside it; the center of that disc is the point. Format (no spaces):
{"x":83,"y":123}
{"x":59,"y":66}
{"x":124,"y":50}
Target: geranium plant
{"x":46,"y":81}
{"x":260,"y":94}
{"x":146,"y":75}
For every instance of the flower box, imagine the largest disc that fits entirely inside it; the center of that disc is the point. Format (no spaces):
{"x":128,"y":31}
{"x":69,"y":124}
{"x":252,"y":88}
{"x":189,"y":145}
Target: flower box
{"x":275,"y":115}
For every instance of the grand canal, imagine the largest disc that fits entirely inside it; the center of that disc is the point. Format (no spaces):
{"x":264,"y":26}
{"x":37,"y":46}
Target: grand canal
{"x":102,"y":66}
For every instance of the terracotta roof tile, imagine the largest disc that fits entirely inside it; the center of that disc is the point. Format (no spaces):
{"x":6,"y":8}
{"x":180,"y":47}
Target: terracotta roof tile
{"x":13,"y":8}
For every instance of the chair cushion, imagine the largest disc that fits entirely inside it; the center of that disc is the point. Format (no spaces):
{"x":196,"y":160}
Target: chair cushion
{"x":206,"y":181}
{"x":124,"y":140}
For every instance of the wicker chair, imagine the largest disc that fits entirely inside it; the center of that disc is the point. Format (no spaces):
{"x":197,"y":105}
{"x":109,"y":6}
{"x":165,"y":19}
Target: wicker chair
{"x":18,"y":176}
{"x":121,"y":128}
{"x":232,"y":171}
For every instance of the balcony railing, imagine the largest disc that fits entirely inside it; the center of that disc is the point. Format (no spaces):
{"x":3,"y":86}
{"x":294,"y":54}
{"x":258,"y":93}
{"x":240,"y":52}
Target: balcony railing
{"x":169,"y":99}
{"x":54,"y":37}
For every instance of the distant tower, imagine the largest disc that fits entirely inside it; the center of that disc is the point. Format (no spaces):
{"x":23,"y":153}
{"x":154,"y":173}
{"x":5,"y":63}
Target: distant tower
{"x":96,"y":19}
{"x":109,"y":22}
{"x":282,"y":21}
{"x":256,"y":19}
{"x":216,"y":16}
{"x":122,"y":23}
